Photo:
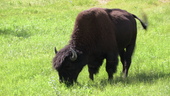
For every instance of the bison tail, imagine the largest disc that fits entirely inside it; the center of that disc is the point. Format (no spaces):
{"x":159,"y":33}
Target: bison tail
{"x":144,"y":25}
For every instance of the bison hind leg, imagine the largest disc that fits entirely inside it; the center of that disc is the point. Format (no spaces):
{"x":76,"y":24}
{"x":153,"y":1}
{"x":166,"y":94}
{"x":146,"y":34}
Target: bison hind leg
{"x":125,"y":56}
{"x":123,"y":61}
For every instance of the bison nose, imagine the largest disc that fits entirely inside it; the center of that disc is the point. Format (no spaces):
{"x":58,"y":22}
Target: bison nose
{"x":68,"y":83}
{"x":61,"y":81}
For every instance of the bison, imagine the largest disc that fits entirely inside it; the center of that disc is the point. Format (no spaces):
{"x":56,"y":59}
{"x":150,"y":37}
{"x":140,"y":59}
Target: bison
{"x":98,"y":34}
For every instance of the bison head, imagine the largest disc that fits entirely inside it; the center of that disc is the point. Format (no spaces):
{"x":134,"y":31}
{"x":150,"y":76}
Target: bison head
{"x":68,"y":63}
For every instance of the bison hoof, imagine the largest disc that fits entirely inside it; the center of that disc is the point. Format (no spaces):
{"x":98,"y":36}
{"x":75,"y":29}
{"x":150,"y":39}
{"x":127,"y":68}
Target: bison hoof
{"x":123,"y":75}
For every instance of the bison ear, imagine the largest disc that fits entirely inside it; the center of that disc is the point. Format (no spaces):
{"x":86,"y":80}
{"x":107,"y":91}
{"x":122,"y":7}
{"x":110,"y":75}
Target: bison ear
{"x":55,"y":50}
{"x":74,"y":55}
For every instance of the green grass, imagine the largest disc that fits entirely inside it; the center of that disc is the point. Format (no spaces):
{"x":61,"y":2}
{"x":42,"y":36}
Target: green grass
{"x":29,"y":30}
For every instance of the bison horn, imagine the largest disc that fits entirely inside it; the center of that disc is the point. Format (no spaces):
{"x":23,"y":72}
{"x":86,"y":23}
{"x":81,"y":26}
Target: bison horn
{"x":55,"y":50}
{"x":74,"y":55}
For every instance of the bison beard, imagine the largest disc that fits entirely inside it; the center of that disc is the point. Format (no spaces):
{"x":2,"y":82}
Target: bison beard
{"x":98,"y":34}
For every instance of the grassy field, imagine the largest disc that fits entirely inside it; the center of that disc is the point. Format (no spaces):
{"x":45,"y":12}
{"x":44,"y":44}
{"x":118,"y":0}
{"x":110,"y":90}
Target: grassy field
{"x":29,"y":30}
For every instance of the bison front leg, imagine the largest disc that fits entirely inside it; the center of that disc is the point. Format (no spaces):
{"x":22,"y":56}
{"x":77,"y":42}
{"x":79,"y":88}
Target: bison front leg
{"x":111,"y":65}
{"x":93,"y":67}
{"x":91,"y":72}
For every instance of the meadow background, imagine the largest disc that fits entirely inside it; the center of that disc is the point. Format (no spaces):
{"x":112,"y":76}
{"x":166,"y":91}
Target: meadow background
{"x":29,"y":30}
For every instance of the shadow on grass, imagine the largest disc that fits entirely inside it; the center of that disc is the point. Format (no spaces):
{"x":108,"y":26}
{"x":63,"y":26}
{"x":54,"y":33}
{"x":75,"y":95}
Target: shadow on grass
{"x":17,"y":33}
{"x":138,"y":78}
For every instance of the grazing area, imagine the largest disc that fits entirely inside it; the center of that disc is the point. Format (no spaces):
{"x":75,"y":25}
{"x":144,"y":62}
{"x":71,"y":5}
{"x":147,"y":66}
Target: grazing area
{"x":30,"y":29}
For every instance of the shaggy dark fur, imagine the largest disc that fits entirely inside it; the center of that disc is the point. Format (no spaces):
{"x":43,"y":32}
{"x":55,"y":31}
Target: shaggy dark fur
{"x":98,"y":34}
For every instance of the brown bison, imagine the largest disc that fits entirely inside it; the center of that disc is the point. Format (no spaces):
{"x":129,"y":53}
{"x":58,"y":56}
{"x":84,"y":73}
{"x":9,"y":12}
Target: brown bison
{"x":98,"y":34}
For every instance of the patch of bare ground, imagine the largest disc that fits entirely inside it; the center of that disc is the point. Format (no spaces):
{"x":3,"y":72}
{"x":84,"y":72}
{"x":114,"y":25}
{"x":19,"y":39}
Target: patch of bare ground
{"x":163,"y":1}
{"x":103,"y":1}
